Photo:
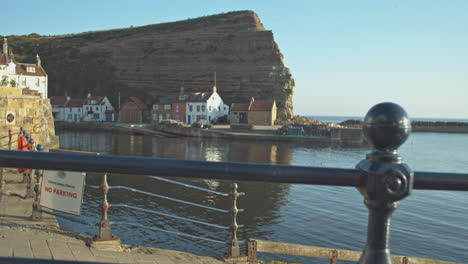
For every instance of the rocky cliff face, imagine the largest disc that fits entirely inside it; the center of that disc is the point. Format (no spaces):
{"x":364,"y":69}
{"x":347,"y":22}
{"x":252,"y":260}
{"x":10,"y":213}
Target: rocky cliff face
{"x":155,"y":61}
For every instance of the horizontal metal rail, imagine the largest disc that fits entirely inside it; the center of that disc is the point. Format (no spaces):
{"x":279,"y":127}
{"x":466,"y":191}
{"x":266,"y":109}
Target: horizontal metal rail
{"x":93,"y":186}
{"x":170,"y":232}
{"x":214,"y":170}
{"x":321,"y":252}
{"x":189,"y":186}
{"x":169,"y":215}
{"x":170,"y":199}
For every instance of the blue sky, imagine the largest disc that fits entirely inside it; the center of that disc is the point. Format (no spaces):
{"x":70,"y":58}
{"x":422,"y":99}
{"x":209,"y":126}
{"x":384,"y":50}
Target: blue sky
{"x":344,"y":55}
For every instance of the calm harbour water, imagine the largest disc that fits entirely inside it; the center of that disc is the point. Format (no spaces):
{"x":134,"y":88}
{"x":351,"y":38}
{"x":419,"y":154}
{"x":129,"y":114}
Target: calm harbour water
{"x":431,"y":224}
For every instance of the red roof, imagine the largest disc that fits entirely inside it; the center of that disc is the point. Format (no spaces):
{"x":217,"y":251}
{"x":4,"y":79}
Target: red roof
{"x":240,"y":107}
{"x":58,"y":101}
{"x":97,"y":99}
{"x":75,"y":103}
{"x":142,"y":106}
{"x":21,"y":68}
{"x":261,"y":105}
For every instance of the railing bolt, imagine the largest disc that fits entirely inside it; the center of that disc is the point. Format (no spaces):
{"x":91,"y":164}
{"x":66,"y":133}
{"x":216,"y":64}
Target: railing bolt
{"x":234,"y":249}
{"x":385,"y":179}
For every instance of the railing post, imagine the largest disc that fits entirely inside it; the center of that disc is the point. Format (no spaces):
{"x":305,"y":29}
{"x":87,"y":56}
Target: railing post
{"x":29,"y":189}
{"x":385,"y":179}
{"x":234,"y":249}
{"x":36,"y":207}
{"x":105,"y":225}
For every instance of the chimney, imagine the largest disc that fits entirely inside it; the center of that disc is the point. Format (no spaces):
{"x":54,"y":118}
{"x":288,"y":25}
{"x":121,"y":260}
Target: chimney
{"x":181,"y":93}
{"x":38,"y":60}
{"x":5,"y":48}
{"x":252,"y":99}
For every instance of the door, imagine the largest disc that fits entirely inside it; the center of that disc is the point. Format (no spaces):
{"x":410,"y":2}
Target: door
{"x":189,"y":119}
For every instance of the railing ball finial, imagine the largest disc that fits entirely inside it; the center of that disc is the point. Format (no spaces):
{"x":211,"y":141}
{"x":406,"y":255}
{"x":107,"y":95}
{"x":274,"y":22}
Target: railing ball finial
{"x":387,"y":126}
{"x":385,"y":178}
{"x":40,"y":147}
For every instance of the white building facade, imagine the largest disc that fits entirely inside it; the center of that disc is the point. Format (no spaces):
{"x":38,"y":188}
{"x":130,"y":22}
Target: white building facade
{"x":98,"y":109}
{"x":205,"y":107}
{"x":91,"y":109}
{"x":22,"y":75}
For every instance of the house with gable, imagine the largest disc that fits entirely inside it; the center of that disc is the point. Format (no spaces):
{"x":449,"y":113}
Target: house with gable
{"x":204,"y":107}
{"x":74,"y":110}
{"x":58,"y":107}
{"x":30,"y":76}
{"x":134,"y":110}
{"x":98,"y":109}
{"x":257,"y":112}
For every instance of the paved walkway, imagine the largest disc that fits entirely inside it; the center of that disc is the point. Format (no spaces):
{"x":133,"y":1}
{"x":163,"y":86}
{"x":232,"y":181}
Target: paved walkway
{"x":21,"y":237}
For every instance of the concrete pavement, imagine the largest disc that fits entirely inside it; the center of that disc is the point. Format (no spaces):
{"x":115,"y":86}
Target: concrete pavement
{"x":21,"y":237}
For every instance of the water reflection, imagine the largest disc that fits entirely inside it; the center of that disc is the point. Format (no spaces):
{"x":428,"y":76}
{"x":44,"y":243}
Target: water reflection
{"x":315,"y":215}
{"x":262,"y":201}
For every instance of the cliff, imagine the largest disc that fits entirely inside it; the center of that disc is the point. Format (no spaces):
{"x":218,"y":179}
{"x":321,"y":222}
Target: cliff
{"x":154,"y":61}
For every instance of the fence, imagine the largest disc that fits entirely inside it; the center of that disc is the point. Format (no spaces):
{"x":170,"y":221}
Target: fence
{"x":382,"y":178}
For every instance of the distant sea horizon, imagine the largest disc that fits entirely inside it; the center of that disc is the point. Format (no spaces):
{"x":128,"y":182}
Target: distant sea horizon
{"x":338,"y":119}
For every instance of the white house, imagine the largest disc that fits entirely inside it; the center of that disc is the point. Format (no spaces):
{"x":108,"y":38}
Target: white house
{"x":98,"y":109}
{"x":22,"y":75}
{"x":73,"y":110}
{"x":58,"y":107}
{"x":205,"y":107}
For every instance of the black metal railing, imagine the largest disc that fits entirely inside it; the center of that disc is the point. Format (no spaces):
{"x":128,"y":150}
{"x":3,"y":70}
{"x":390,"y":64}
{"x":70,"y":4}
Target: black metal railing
{"x":382,"y":177}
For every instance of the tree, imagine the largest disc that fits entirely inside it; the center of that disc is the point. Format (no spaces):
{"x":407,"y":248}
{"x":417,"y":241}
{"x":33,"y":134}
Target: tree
{"x":13,"y":83}
{"x":4,"y":81}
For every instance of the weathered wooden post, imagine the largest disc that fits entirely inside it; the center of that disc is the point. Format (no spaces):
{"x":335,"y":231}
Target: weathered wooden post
{"x":234,"y":249}
{"x":385,"y":178}
{"x":105,"y":234}
{"x":36,"y":207}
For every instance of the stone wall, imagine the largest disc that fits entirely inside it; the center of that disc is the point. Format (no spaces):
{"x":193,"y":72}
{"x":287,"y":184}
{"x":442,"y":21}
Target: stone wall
{"x":32,"y":113}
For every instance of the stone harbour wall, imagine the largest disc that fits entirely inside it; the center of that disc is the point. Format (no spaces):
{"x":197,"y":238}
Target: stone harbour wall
{"x":32,"y":113}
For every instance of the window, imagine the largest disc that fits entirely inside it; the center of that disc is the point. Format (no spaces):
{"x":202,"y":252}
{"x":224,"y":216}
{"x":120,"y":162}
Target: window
{"x":96,"y":116}
{"x":37,"y":81}
{"x":23,"y":81}
{"x":209,"y":108}
{"x":167,"y":107}
{"x":168,"y":116}
{"x":198,"y":108}
{"x":203,"y":108}
{"x":155,"y":107}
{"x":190,"y":108}
{"x":219,"y":108}
{"x":70,"y":116}
{"x":224,"y":108}
{"x":177,"y":108}
{"x":31,"y":69}
{"x":97,"y":108}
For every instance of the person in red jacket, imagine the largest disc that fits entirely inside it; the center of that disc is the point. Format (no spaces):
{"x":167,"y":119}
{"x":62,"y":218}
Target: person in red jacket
{"x":23,"y":146}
